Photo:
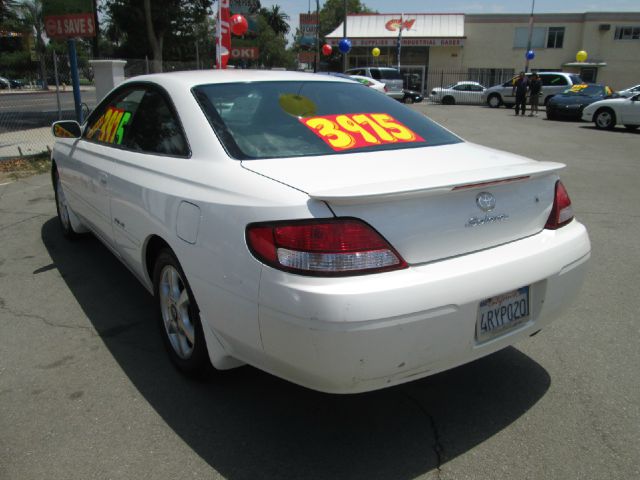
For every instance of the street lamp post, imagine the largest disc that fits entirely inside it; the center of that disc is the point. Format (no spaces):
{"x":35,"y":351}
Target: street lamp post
{"x":526,"y":54}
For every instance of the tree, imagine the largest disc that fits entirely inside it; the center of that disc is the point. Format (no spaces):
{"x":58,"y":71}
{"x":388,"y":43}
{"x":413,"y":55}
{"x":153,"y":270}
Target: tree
{"x":332,"y":14}
{"x":276,"y":19}
{"x":30,"y":13}
{"x":165,"y":23}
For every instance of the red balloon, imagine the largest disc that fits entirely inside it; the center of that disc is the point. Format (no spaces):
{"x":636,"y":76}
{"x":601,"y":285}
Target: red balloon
{"x":326,"y":49}
{"x":239,"y":24}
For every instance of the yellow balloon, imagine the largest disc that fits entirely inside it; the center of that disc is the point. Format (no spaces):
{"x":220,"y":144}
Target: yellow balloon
{"x":581,"y":56}
{"x":375,"y":52}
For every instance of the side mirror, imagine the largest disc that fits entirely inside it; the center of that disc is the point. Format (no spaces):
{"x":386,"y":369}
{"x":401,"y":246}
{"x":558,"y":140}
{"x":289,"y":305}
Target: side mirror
{"x":66,"y":129}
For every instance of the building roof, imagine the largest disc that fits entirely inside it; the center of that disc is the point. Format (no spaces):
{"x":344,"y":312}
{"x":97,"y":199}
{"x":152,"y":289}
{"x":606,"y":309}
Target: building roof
{"x":415,"y":25}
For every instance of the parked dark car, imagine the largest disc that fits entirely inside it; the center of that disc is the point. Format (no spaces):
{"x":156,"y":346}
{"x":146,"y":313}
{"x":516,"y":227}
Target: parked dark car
{"x":411,"y":96}
{"x":570,"y":103}
{"x":10,"y":83}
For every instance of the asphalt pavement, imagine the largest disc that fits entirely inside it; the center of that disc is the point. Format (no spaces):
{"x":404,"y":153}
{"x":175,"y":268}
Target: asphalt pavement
{"x":86,"y":390}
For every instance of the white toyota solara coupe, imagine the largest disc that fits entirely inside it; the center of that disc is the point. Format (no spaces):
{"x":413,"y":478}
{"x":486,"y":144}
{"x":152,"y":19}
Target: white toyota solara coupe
{"x":316,"y":229}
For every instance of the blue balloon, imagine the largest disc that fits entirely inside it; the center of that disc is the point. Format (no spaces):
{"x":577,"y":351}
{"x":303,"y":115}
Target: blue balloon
{"x":344,"y":45}
{"x":531,"y":55}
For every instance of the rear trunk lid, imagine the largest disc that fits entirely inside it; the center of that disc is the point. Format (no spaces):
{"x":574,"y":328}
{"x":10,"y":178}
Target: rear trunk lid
{"x":429,"y":203}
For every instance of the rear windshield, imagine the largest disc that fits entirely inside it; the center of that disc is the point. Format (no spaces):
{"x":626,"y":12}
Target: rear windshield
{"x":390,"y":74}
{"x":295,"y":119}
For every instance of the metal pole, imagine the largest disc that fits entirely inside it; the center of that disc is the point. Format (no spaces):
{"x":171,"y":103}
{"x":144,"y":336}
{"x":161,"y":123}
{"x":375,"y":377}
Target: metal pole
{"x":526,"y":56}
{"x":400,"y":41}
{"x":55,"y":76}
{"x":73,"y":60}
{"x":316,"y":57}
{"x":344,"y":35}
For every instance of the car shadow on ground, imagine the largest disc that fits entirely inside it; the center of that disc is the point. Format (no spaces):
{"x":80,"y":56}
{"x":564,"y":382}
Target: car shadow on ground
{"x":248,"y":424}
{"x":617,"y":129}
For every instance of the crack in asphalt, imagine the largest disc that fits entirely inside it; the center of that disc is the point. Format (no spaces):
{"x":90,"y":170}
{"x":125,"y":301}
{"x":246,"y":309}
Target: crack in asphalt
{"x":4,"y":228}
{"x":110,"y":332}
{"x":437,"y":447}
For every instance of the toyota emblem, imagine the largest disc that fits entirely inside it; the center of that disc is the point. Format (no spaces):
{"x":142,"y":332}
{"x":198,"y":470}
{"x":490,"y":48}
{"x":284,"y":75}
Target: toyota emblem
{"x":486,"y":202}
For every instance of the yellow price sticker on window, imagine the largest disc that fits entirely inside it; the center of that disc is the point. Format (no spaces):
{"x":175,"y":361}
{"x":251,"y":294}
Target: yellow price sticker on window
{"x":357,"y":130}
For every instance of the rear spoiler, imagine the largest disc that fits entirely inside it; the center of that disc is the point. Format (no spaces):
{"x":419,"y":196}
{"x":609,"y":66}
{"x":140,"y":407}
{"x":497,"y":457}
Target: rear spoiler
{"x":434,"y":184}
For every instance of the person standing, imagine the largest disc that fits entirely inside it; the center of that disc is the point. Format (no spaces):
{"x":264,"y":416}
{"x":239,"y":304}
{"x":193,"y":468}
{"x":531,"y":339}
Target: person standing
{"x":535,"y":89}
{"x":520,"y":86}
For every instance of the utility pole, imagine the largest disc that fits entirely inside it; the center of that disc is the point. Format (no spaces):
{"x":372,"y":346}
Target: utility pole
{"x":526,"y":53}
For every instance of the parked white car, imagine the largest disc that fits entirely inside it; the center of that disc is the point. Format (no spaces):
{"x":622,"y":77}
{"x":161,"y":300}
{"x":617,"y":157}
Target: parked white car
{"x":552,"y":84}
{"x":370,"y":82}
{"x":606,"y":114}
{"x":460,"y":92}
{"x":629,"y":92}
{"x":316,"y":229}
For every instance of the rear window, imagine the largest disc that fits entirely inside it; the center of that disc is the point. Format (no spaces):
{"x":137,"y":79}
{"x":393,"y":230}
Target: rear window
{"x":294,"y":119}
{"x":575,"y":79}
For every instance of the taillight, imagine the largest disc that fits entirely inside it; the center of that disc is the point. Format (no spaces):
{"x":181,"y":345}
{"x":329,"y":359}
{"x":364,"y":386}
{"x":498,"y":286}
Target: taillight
{"x":561,"y":212}
{"x":331,"y":247}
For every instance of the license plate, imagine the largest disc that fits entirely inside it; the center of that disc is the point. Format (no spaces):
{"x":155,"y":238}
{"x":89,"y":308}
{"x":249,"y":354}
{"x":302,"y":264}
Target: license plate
{"x":499,"y":314}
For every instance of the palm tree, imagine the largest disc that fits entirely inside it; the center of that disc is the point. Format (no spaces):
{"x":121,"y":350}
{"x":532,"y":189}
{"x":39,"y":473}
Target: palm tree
{"x":277,"y":20}
{"x":31,"y":14}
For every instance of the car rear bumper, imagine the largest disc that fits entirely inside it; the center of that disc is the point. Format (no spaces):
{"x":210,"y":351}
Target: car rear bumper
{"x":364,"y":333}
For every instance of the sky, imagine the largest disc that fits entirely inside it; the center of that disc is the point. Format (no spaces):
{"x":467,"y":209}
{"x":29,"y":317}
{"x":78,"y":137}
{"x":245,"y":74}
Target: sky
{"x":294,"y":7}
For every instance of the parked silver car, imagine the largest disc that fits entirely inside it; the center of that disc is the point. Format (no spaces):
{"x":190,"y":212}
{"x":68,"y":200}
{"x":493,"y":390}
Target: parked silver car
{"x":552,"y":83}
{"x":391,"y":77}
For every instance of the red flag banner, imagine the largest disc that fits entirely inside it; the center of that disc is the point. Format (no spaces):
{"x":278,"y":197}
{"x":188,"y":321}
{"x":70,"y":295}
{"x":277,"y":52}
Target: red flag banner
{"x":223,"y":31}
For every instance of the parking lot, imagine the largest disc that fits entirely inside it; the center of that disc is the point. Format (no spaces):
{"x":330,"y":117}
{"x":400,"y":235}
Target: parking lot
{"x":87,"y":391}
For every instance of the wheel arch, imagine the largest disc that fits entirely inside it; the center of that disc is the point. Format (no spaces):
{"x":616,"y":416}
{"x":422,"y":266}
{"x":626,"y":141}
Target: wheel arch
{"x":153,"y":246}
{"x":217,"y":352}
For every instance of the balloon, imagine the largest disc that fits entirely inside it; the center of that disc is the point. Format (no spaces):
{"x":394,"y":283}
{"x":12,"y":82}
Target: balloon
{"x":375,"y":52}
{"x":344,"y":45}
{"x":239,"y":25}
{"x":531,"y":55}
{"x":326,"y":49}
{"x":581,"y":56}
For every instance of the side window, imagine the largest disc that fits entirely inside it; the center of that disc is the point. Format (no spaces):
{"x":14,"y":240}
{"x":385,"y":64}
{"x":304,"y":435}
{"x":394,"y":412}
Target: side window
{"x":460,"y":87}
{"x":475,"y":88}
{"x":156,"y":129}
{"x":375,"y":73}
{"x":553,"y":80}
{"x":110,"y":124}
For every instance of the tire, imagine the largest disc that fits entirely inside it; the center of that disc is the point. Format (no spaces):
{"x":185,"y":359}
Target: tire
{"x":62,"y":208}
{"x":631,"y":128}
{"x":546,"y":100}
{"x":448,"y":100}
{"x":408,"y":100}
{"x":605,"y":119}
{"x":551,"y":116}
{"x":179,"y":317}
{"x":494,"y":100}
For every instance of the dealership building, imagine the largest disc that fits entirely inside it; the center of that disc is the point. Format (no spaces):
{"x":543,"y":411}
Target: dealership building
{"x":492,"y":47}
